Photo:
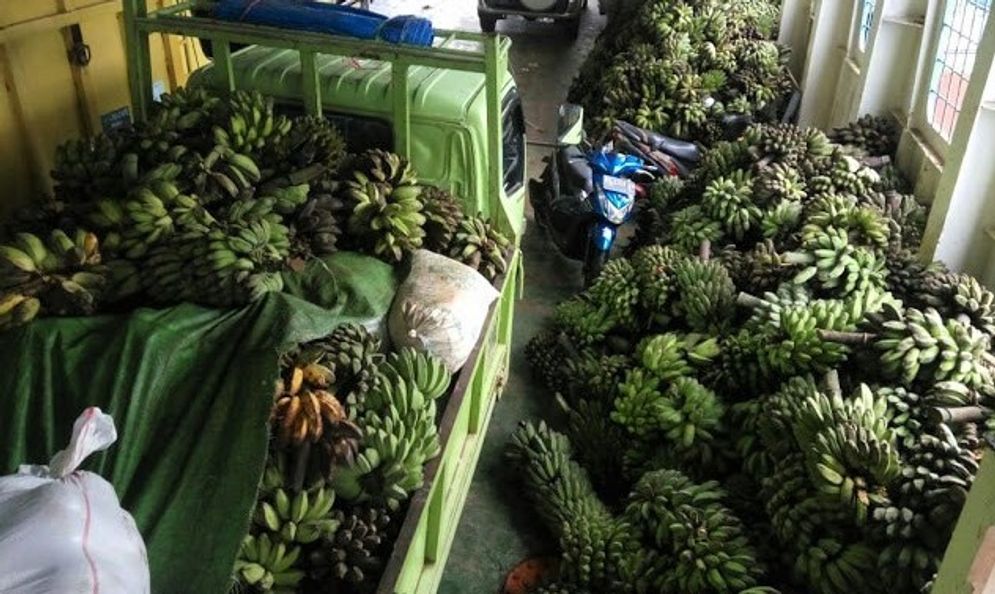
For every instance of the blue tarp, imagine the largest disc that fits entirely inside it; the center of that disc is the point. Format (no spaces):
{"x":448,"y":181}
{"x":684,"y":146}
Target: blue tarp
{"x":332,"y":19}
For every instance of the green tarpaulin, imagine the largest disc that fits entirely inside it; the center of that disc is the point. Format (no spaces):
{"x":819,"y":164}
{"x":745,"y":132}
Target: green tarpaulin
{"x":190,"y":390}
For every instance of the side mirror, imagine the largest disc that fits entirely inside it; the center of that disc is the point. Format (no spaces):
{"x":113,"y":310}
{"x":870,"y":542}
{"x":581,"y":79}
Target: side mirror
{"x":570,"y":126}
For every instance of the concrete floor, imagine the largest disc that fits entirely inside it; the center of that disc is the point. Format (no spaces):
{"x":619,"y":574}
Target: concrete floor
{"x":498,"y":529}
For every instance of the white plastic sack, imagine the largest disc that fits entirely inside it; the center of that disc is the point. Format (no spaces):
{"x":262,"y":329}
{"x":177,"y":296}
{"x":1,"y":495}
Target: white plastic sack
{"x":62,"y":531}
{"x":440,"y":308}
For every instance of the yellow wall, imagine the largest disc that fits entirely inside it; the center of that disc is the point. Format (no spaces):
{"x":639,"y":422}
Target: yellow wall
{"x":45,"y":100}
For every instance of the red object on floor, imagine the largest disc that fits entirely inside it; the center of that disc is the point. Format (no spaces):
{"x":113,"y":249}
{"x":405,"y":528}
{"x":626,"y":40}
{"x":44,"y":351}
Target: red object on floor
{"x":529,"y":574}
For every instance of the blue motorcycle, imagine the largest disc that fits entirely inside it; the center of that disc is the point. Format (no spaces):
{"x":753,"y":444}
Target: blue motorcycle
{"x":587,"y":193}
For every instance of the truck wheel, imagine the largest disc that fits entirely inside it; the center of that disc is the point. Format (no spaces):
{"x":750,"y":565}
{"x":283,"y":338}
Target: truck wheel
{"x":487,"y":23}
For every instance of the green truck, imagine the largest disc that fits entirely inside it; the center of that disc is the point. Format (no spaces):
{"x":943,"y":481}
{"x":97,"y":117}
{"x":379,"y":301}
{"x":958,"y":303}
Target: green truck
{"x":454,"y":110}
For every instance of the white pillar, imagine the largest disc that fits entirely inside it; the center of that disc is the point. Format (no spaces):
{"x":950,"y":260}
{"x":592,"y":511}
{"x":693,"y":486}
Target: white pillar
{"x":826,"y":51}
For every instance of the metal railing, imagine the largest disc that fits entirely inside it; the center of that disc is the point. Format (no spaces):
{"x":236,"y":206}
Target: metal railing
{"x":486,"y":54}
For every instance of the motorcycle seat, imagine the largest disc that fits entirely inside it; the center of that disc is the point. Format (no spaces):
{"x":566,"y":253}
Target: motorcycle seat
{"x":678,"y":149}
{"x":574,"y":171}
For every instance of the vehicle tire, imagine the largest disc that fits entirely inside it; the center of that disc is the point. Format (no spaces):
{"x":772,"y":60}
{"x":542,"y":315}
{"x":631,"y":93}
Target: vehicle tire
{"x":594,"y":262}
{"x":487,"y":23}
{"x":572,"y":27}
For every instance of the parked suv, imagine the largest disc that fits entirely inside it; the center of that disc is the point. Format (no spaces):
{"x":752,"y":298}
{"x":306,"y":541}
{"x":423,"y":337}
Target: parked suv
{"x":564,"y":11}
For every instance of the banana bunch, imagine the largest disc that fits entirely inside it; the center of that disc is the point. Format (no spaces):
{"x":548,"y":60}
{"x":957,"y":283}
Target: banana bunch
{"x":355,"y":553}
{"x":836,"y":265}
{"x":836,"y":567}
{"x":584,"y":322}
{"x":595,"y":439}
{"x":86,"y":169}
{"x":817,"y":537}
{"x":689,"y":417}
{"x":443,"y":215}
{"x":780,"y":221}
{"x":548,"y":359}
{"x":705,"y":540}
{"x":871,"y":135}
{"x":770,"y":144}
{"x":153,"y":213}
{"x":794,"y":342}
{"x":248,"y":124}
{"x":779,"y":183}
{"x":309,"y":141}
{"x":782,"y":491}
{"x":962,"y":295}
{"x":850,"y":449}
{"x":616,"y":289}
{"x":595,"y":375}
{"x":558,"y":486}
{"x":653,"y":268}
{"x":907,"y":416}
{"x":297,"y":519}
{"x":385,"y":199}
{"x":223,"y":175}
{"x":670,"y":63}
{"x":637,"y":406}
{"x":864,"y":225}
{"x":595,"y":552}
{"x":479,"y":245}
{"x":738,"y":372}
{"x":781,"y":409}
{"x":160,"y":138}
{"x":355,"y":353}
{"x":761,"y":268}
{"x":914,"y":528}
{"x":744,"y":424}
{"x":923,"y":346}
{"x":257,"y":232}
{"x":663,"y":355}
{"x":905,"y":216}
{"x":203,"y":269}
{"x":269,"y":566}
{"x":707,"y":295}
{"x":311,"y":414}
{"x":846,"y":175}
{"x":689,"y":227}
{"x":316,"y":227}
{"x":908,"y":278}
{"x":423,"y":371}
{"x":729,"y":200}
{"x":17,"y":310}
{"x":191,"y":110}
{"x":723,"y":158}
{"x":400,"y":434}
{"x":60,"y":276}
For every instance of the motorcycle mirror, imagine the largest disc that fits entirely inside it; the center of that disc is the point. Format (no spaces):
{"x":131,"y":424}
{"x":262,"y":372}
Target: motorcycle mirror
{"x":570,"y":126}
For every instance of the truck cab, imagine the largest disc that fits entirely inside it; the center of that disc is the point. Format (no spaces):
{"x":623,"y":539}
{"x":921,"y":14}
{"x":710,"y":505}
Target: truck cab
{"x":448,"y":119}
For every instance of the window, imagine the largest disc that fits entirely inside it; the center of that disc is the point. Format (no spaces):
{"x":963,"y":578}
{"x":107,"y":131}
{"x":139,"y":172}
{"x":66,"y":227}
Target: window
{"x":361,"y":133}
{"x":513,"y":141}
{"x":866,"y":20}
{"x":960,"y":32}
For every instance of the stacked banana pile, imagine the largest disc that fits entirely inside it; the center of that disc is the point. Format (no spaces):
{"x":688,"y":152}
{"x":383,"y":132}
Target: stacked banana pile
{"x":679,"y":67}
{"x":57,"y":275}
{"x":353,"y":430}
{"x":769,"y":390}
{"x":210,"y":200}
